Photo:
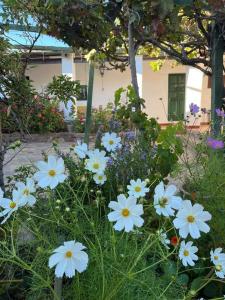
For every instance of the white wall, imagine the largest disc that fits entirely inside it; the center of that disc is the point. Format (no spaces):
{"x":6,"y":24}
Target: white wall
{"x":155,"y":88}
{"x":105,"y":87}
{"x":42,"y":74}
{"x":155,"y":85}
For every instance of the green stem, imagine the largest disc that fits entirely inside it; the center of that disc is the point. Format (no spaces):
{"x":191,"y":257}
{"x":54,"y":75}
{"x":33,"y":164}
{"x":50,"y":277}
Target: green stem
{"x":89,"y":103}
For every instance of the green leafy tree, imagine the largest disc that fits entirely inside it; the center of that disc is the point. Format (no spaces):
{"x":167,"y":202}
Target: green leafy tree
{"x":181,"y":29}
{"x":15,"y":92}
{"x":63,"y":89}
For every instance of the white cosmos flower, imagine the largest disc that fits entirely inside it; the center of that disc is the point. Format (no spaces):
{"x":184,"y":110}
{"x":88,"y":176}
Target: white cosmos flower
{"x":165,"y":201}
{"x":9,"y":206}
{"x":187,"y":253}
{"x":137,"y":188}
{"x":217,"y":255}
{"x":220,"y":269}
{"x":126,"y":213}
{"x":24,"y":192}
{"x":81,"y":149}
{"x":50,"y":173}
{"x":163,"y":238}
{"x":97,"y":161}
{"x":191,"y":220}
{"x":69,"y":258}
{"x":99,"y":179}
{"x":111,"y":141}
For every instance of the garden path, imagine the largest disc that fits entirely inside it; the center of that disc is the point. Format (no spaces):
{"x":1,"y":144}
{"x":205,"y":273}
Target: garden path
{"x":29,"y":153}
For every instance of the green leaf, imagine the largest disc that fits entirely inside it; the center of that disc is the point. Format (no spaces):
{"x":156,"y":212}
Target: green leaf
{"x":166,"y":7}
{"x":183,"y":279}
{"x":156,"y":65}
{"x":212,"y":290}
{"x":117,"y":96}
{"x":170,"y":268}
{"x":197,"y":283}
{"x":183,"y":2}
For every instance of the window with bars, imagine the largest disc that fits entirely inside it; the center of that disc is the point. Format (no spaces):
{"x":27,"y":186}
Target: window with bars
{"x":83,"y":93}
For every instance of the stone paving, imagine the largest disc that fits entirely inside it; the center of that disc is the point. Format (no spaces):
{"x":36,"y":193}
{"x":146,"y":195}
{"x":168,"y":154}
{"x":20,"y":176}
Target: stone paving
{"x":29,"y":153}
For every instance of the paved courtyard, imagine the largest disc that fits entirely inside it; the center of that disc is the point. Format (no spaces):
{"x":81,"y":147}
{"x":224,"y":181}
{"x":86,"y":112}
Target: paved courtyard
{"x":29,"y":153}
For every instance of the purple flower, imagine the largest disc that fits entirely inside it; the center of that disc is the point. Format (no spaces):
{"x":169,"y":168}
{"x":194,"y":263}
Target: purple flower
{"x":110,"y":162}
{"x":143,"y":155}
{"x":194,"y":109}
{"x":220,"y":112}
{"x":130,"y":135}
{"x":114,"y":124}
{"x":215,"y":144}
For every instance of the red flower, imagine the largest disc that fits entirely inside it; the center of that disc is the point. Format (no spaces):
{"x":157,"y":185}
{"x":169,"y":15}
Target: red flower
{"x":174,"y":241}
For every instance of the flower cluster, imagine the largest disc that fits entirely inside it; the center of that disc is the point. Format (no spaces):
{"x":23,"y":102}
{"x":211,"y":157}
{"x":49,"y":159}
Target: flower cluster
{"x":96,"y":160}
{"x":218,"y":259}
{"x":127,"y":212}
{"x":194,"y":108}
{"x":215,"y":144}
{"x":220,"y":113}
{"x":49,"y":174}
{"x":22,"y":195}
{"x":189,"y":220}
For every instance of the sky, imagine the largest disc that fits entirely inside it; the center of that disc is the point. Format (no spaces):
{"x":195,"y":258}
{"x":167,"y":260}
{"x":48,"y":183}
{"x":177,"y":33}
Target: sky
{"x":21,"y":38}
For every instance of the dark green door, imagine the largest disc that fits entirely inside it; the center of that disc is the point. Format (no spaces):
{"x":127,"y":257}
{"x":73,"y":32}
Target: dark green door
{"x":176,"y":99}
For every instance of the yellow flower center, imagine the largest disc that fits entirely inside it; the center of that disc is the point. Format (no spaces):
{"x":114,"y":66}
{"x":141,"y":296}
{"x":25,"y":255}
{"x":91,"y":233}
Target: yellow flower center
{"x":191,"y":219}
{"x":218,"y":268}
{"x":216,"y":257}
{"x":100,"y":177}
{"x":96,"y":166}
{"x":52,"y":173}
{"x":163,"y":202}
{"x":26,"y":192}
{"x":137,"y":189}
{"x":186,"y":253}
{"x":125,"y":212}
{"x":111,"y":142}
{"x":68,"y":254}
{"x":12,"y":204}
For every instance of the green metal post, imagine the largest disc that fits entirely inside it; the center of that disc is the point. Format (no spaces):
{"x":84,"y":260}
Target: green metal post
{"x":217,"y":91}
{"x":89,"y":103}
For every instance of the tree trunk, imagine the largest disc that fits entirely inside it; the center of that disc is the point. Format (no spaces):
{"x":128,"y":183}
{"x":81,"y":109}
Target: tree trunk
{"x":2,"y":185}
{"x":217,"y":78}
{"x":132,"y":61}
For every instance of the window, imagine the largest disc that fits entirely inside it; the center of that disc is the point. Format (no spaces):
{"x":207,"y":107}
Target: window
{"x":176,"y":97}
{"x":83,"y":93}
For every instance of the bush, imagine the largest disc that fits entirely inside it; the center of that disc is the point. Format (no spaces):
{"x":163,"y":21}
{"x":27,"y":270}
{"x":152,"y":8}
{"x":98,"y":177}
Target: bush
{"x":39,"y":115}
{"x":101,"y":119}
{"x":132,"y":265}
{"x":202,"y":175}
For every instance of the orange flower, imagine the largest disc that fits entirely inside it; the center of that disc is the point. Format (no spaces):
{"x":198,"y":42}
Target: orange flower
{"x":174,"y":240}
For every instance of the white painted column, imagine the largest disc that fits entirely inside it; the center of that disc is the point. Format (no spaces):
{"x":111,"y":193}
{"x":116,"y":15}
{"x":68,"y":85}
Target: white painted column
{"x":139,"y":70}
{"x":68,"y":68}
{"x":193,"y":92}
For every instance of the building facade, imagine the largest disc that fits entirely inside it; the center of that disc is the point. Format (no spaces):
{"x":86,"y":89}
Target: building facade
{"x":168,"y":92}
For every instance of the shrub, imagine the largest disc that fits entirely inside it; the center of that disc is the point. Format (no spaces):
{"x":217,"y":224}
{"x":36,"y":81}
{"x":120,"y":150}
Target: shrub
{"x":101,"y":119}
{"x":39,"y":115}
{"x":76,"y":205}
{"x":201,"y":173}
